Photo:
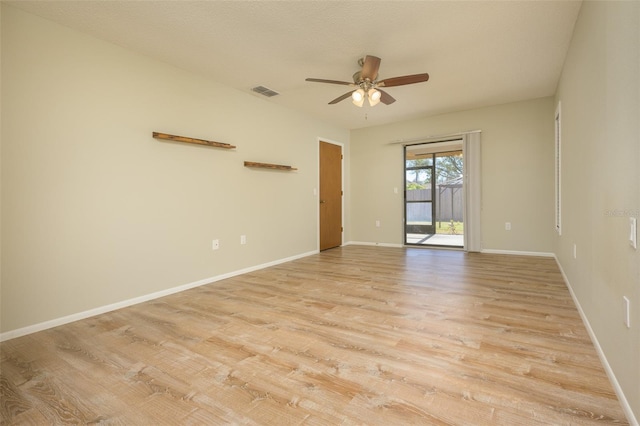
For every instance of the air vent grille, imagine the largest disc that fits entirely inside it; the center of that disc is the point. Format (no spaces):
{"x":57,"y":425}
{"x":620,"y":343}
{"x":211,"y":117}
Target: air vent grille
{"x":265,"y":91}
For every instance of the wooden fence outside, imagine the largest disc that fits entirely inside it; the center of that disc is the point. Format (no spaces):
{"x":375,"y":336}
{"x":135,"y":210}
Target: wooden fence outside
{"x":449,"y":204}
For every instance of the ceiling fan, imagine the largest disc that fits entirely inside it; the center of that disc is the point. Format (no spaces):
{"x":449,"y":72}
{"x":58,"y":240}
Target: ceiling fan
{"x":368,"y":86}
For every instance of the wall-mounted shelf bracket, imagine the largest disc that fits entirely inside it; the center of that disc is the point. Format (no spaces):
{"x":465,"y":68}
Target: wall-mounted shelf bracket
{"x":168,"y":137}
{"x":268,"y":166}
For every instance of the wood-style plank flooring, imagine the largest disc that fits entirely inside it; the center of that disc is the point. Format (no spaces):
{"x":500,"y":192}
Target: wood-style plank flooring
{"x":351,"y":336}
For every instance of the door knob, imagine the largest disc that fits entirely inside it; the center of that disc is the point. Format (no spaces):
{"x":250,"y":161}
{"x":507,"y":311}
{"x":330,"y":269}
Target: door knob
{"x":322,"y":201}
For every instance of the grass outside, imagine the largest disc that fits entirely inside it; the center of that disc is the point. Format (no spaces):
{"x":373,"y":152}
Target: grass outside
{"x":450,"y":228}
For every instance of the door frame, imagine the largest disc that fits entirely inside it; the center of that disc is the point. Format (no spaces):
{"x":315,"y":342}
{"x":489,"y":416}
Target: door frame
{"x":316,"y":190}
{"x":445,"y":142}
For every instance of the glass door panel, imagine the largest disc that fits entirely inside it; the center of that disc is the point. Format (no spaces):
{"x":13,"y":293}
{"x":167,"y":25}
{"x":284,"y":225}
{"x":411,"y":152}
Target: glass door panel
{"x":433,"y":194}
{"x":419,"y":206}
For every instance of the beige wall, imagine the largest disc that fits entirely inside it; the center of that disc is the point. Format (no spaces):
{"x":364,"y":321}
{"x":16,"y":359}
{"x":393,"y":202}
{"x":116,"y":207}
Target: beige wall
{"x":517,"y":176}
{"x":95,"y":211}
{"x":600,"y":96}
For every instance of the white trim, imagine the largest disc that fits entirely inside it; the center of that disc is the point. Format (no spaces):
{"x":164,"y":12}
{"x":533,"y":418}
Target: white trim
{"x":607,"y":367}
{"x":366,"y":243}
{"x":427,"y":139}
{"x":488,"y":251}
{"x":12,"y":334}
{"x":558,"y":168}
{"x":518,"y":253}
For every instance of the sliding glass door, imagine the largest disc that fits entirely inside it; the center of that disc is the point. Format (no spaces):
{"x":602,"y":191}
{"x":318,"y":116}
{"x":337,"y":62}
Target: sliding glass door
{"x":419,"y":205}
{"x":434,"y":194}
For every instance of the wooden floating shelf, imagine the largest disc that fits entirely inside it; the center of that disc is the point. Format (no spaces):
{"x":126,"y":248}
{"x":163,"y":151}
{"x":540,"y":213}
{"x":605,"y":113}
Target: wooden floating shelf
{"x":191,"y":140}
{"x":268,"y":166}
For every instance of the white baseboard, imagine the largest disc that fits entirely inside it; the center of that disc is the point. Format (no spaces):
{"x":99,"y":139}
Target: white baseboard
{"x":365,"y":243}
{"x":492,"y":251}
{"x":12,"y":334}
{"x":518,"y":253}
{"x":607,"y":368}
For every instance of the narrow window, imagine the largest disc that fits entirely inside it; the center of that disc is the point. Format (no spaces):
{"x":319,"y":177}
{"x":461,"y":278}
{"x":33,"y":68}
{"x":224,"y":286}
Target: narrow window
{"x":558,"y":164}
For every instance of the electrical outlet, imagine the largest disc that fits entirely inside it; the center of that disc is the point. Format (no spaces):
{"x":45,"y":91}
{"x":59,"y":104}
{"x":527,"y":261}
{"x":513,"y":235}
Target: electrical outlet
{"x":215,"y":244}
{"x":507,"y":226}
{"x":377,"y":224}
{"x":626,"y":309}
{"x":243,"y":239}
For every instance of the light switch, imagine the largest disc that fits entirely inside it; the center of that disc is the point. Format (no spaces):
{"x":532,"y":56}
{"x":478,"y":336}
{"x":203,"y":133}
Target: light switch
{"x":633,"y":232}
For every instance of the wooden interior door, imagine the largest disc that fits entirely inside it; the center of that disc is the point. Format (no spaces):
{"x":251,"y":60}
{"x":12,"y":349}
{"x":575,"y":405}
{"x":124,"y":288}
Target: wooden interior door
{"x":330,"y":195}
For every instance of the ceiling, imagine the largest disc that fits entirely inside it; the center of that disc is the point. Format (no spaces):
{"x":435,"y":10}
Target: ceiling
{"x":477,"y":53}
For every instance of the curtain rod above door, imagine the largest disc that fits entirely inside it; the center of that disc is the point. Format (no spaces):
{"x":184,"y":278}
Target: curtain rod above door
{"x":428,"y":139}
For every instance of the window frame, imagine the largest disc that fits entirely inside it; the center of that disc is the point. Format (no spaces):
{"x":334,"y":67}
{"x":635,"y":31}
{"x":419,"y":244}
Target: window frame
{"x":558,"y":168}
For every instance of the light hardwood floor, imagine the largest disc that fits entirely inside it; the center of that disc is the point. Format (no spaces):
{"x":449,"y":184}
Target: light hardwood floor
{"x":354,"y":335}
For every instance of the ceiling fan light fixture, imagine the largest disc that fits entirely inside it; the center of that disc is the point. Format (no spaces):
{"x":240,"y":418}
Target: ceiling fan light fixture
{"x":357,"y":97}
{"x":366,"y":81}
{"x":374,"y":97}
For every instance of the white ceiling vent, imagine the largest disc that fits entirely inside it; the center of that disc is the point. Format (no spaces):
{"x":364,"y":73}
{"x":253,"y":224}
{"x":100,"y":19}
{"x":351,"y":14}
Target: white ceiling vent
{"x":265,"y":91}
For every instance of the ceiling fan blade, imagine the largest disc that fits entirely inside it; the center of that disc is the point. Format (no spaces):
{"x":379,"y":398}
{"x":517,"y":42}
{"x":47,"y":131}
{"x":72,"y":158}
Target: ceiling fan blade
{"x":321,"y":80}
{"x":386,"y":98}
{"x":406,"y":79}
{"x":340,"y":98}
{"x":370,"y":67}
